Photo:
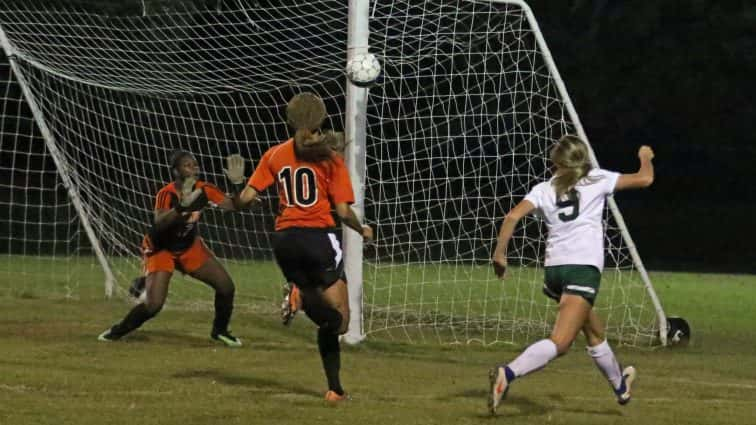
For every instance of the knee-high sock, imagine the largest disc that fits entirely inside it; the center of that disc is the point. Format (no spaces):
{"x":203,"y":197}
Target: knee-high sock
{"x":535,"y":357}
{"x":224,"y":306}
{"x":330,"y":353}
{"x":605,"y":360}
{"x":134,"y":319}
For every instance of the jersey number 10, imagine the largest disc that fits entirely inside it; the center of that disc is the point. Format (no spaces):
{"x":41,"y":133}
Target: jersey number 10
{"x":300,"y":187}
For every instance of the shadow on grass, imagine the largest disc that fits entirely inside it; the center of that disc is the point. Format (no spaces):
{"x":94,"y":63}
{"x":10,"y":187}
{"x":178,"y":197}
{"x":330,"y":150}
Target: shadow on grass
{"x":256,"y":382}
{"x":526,"y":407}
{"x":582,"y":407}
{"x":168,"y":338}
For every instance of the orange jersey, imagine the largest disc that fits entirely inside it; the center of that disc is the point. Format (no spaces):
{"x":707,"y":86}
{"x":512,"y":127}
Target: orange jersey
{"x":180,"y":235}
{"x":306,"y":191}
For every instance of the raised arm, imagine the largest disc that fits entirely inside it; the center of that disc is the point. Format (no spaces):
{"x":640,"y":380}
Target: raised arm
{"x":505,"y":234}
{"x":247,"y":197}
{"x":349,"y":218}
{"x":244,"y":195}
{"x":645,"y":175}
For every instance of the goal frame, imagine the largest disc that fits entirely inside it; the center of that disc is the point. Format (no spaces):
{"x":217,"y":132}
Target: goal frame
{"x":356,"y":111}
{"x":55,"y":154}
{"x":356,"y":159}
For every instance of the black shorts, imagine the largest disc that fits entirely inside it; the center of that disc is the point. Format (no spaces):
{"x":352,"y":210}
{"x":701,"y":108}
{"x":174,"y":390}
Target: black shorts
{"x":309,"y":257}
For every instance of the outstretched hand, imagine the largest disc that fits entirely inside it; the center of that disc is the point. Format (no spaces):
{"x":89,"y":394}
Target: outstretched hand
{"x":187,"y":186}
{"x":367,"y":232}
{"x":645,"y":153}
{"x":235,"y":168}
{"x":194,"y":201}
{"x":500,"y":268}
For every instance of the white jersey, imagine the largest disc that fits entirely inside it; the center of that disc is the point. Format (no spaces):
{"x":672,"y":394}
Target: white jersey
{"x":575,"y":222}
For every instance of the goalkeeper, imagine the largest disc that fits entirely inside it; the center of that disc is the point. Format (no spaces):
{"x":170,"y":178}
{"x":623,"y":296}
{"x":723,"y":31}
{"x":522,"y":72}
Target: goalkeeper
{"x":173,"y":242}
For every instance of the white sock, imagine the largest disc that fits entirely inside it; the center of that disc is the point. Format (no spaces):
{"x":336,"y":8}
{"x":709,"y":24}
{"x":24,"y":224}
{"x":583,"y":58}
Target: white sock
{"x":534,"y":357}
{"x":604,"y":358}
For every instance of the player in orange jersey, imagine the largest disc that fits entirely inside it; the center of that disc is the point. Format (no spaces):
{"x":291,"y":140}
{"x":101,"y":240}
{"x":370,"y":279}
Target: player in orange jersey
{"x":173,"y":242}
{"x":292,"y":300}
{"x":312,"y":180}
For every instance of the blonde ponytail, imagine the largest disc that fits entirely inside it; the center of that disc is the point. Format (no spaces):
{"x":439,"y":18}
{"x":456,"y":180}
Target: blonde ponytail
{"x":572,"y":160}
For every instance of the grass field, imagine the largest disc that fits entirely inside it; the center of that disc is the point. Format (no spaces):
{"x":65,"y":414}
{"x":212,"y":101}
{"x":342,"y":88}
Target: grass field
{"x":54,"y":371}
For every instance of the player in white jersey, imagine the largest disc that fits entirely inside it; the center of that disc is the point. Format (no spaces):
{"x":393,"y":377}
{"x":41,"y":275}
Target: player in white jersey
{"x":572,"y":205}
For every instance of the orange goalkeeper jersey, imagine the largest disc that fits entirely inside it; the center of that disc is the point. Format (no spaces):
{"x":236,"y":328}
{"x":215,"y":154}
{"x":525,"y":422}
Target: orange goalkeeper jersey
{"x":306,"y":191}
{"x":180,"y":235}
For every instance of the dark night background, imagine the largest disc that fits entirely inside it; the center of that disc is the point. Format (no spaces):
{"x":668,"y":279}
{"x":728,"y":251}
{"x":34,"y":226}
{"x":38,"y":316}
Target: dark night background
{"x":676,"y":75}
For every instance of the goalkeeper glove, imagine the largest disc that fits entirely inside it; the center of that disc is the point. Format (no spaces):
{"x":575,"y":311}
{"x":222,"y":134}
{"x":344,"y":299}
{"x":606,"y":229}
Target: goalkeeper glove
{"x":194,"y":201}
{"x":191,"y":199}
{"x":235,"y":171}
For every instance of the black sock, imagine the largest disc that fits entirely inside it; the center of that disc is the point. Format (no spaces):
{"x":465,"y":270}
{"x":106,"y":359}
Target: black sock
{"x":134,"y":319}
{"x":224,"y":306}
{"x":330,"y":353}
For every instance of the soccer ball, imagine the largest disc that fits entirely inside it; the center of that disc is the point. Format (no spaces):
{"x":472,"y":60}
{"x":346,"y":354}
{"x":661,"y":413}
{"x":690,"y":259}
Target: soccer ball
{"x":363,"y":69}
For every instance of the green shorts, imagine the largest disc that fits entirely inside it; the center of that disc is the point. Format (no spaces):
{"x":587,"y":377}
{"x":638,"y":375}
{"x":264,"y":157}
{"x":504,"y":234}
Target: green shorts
{"x":574,"y":279}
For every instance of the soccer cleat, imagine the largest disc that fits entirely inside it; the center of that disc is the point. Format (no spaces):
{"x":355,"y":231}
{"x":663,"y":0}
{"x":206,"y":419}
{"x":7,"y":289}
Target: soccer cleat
{"x":107,"y":336}
{"x":291,"y":303}
{"x":499,"y":386}
{"x":623,"y":392}
{"x":137,"y":286}
{"x":334,"y":397}
{"x":226,"y":338}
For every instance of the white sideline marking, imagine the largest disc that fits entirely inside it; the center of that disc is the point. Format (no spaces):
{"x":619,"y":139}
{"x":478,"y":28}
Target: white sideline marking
{"x":608,"y":399}
{"x":687,"y":381}
{"x":15,"y":388}
{"x":671,"y":400}
{"x":713,"y":384}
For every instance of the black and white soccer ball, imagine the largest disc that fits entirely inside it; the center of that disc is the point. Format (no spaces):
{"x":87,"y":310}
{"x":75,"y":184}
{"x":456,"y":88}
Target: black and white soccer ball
{"x":363,"y":69}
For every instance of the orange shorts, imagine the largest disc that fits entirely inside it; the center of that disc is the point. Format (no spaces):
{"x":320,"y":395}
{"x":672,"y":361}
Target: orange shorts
{"x":166,"y":261}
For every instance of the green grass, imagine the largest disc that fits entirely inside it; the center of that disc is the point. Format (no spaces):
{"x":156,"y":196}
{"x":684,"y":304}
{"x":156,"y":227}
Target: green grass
{"x":455,"y":303}
{"x":54,"y":371}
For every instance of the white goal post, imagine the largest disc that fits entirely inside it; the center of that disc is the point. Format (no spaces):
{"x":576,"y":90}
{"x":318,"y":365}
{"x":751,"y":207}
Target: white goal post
{"x":456,"y":133}
{"x":359,"y":15}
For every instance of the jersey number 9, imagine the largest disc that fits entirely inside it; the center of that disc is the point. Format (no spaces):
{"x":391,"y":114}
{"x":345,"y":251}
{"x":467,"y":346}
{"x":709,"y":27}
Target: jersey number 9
{"x":572,"y":200}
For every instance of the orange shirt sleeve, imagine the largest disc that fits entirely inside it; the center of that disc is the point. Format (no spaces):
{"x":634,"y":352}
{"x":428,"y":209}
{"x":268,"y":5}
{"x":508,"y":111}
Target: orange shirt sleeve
{"x":214,"y":194}
{"x":164,"y":200}
{"x":262,"y":178}
{"x":340,"y":185}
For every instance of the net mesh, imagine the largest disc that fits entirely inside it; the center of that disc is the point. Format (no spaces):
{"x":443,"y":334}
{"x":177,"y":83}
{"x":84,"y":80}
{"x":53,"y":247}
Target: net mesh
{"x":457,"y":133}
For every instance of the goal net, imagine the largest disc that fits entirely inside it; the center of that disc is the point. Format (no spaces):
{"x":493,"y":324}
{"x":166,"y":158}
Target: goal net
{"x":457,"y":133}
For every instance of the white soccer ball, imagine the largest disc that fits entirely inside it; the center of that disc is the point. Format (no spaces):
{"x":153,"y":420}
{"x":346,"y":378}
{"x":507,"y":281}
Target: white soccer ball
{"x":363,"y":69}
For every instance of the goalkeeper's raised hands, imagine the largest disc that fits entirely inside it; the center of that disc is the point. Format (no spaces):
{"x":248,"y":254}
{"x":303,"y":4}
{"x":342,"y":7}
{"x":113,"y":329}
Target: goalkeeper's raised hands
{"x":193,"y":201}
{"x":235,"y":169}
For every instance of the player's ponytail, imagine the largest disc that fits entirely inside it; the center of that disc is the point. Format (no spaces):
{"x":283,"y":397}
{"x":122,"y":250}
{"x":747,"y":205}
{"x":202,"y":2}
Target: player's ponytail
{"x":305,"y":113}
{"x":572,"y":160}
{"x":311,"y":147}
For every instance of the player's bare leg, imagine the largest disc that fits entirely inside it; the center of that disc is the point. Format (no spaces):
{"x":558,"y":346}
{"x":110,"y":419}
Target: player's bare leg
{"x":573,"y":313}
{"x":213,"y":274}
{"x":337,"y":297}
{"x":156,"y":287}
